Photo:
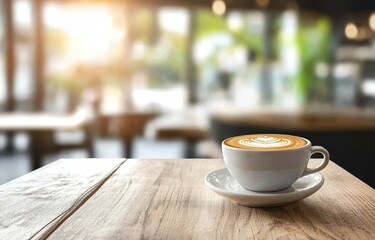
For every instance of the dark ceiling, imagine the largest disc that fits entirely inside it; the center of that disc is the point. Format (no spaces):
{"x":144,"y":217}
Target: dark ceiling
{"x":322,"y":6}
{"x":333,"y":8}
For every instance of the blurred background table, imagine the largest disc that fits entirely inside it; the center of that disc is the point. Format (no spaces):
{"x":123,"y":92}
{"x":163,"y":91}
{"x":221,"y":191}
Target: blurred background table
{"x":168,"y":199}
{"x":41,"y":128}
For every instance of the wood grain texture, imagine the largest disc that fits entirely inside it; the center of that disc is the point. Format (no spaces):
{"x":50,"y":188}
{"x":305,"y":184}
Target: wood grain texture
{"x":167,"y":199}
{"x":32,"y":201}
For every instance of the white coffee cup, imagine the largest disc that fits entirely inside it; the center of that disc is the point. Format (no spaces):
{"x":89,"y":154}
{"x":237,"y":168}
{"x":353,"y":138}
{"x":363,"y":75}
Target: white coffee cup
{"x":270,"y":169}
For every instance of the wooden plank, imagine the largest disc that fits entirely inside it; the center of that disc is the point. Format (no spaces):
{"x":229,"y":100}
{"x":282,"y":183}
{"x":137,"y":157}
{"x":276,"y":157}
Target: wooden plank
{"x":167,"y":199}
{"x":32,"y":201}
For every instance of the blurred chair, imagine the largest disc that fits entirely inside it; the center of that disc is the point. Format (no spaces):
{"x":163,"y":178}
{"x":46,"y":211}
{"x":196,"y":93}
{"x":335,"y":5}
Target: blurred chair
{"x":367,"y":93}
{"x":346,"y":84}
{"x":80,"y":138}
{"x":131,"y":125}
{"x":189,"y":126}
{"x":209,"y":149}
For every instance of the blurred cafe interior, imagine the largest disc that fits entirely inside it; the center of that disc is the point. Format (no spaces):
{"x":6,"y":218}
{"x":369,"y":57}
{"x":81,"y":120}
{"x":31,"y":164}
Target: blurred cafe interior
{"x":173,"y":78}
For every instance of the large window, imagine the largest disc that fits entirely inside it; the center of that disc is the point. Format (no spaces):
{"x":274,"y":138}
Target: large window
{"x":136,"y":56}
{"x":252,"y":58}
{"x":225,"y":48}
{"x":160,"y":60}
{"x":121,"y":55}
{"x":84,"y":53}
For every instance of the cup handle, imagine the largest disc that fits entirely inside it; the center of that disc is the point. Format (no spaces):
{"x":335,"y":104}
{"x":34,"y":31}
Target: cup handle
{"x":325,"y":162}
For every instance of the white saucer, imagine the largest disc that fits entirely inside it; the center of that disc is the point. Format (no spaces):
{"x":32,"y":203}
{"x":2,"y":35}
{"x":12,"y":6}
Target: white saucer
{"x":221,"y":182}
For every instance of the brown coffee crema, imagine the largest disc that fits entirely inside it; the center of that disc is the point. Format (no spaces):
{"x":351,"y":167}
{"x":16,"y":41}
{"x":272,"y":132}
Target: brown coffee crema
{"x":266,"y":142}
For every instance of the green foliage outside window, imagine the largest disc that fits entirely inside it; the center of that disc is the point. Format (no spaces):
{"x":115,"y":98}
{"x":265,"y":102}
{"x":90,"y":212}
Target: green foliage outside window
{"x":312,"y":41}
{"x":209,"y":24}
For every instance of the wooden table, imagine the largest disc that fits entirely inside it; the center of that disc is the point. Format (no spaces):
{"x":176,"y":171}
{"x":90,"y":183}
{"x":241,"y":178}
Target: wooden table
{"x":40,"y":128}
{"x":167,"y":199}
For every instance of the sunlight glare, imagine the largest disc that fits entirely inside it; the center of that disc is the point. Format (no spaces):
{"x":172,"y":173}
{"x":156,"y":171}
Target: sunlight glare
{"x":22,"y":12}
{"x":89,"y":29}
{"x":174,"y":20}
{"x":235,"y":21}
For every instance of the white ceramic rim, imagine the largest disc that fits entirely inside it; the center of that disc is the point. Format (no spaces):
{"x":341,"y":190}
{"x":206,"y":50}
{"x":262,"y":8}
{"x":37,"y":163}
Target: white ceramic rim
{"x":308,"y":144}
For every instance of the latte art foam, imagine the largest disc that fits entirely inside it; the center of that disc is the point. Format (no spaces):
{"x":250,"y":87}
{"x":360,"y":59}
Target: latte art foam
{"x":266,"y":142}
